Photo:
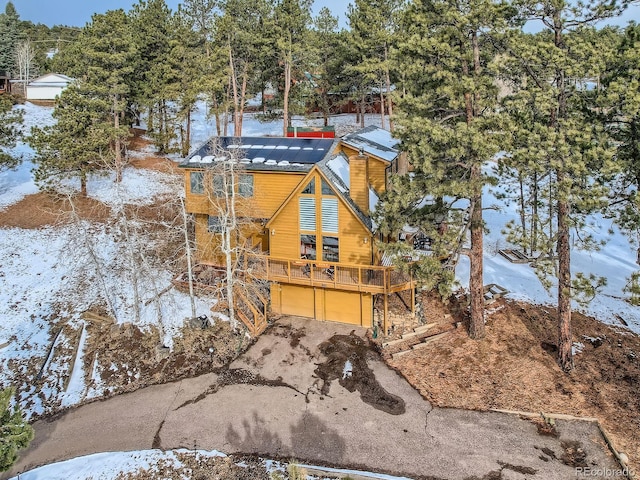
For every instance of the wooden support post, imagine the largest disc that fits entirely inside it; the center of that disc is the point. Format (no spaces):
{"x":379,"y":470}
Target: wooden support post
{"x":385,"y":319}
{"x":413,"y":301}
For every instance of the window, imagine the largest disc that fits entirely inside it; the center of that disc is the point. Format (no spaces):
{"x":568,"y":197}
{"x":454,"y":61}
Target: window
{"x":307,"y":213}
{"x":245,"y":185}
{"x":218,"y":185}
{"x":326,"y":189}
{"x":215,"y":225}
{"x":330,"y":249}
{"x":197,"y":182}
{"x":308,"y":247}
{"x":330,"y":215}
{"x":310,"y":189}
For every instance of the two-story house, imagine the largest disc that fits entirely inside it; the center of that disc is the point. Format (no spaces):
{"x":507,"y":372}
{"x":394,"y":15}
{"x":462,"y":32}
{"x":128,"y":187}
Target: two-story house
{"x":306,"y":207}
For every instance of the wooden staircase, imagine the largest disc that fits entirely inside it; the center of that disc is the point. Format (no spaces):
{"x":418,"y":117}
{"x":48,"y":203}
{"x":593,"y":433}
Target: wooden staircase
{"x":251,"y":309}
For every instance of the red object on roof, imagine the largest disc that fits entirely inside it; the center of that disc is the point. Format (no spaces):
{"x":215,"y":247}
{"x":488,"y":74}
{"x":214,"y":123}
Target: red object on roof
{"x":311,"y":132}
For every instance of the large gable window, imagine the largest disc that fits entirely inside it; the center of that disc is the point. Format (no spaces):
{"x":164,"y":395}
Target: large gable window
{"x":330,"y":250}
{"x":329,"y":215}
{"x":308,"y":246}
{"x":196,"y":180}
{"x":308,"y":214}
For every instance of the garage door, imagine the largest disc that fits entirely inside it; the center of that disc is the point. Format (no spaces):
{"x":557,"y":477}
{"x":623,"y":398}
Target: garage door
{"x":297,"y":301}
{"x":343,"y":307}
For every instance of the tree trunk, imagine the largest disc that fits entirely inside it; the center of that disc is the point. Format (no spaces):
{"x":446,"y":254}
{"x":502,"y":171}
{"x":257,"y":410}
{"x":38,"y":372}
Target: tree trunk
{"x":388,"y":81}
{"x":565,"y":338}
{"x":522,"y":204}
{"x":234,"y":89}
{"x":534,"y":215}
{"x":187,"y":144}
{"x":476,"y":280}
{"x":83,"y":185}
{"x":187,"y":246}
{"x":362,"y":109}
{"x":117,"y":143}
{"x":382,"y":122}
{"x":287,"y":88}
{"x":243,"y":94}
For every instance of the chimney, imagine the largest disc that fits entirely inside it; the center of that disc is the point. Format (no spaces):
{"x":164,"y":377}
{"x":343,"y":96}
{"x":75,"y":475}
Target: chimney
{"x":359,"y":180}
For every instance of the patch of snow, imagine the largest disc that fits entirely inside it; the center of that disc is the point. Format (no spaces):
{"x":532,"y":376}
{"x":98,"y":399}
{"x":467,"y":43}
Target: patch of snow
{"x":340,"y":166}
{"x":106,"y":466}
{"x":76,"y":389}
{"x":347,"y":371}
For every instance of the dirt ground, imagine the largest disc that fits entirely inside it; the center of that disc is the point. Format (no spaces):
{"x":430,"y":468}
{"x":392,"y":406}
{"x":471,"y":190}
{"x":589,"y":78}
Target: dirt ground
{"x":514,"y":368}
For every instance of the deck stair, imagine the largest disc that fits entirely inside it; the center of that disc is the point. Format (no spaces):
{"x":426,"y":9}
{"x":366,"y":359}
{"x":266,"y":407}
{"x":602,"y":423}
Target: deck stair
{"x":251,"y":309}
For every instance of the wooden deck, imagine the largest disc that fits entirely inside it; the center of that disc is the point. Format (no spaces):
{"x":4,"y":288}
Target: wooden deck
{"x":339,"y":276}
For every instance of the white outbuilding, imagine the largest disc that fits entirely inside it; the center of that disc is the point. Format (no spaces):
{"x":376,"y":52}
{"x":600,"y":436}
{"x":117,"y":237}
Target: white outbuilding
{"x":47,"y":87}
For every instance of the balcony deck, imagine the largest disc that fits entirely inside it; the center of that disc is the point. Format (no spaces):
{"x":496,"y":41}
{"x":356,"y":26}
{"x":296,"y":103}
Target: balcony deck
{"x":339,"y":276}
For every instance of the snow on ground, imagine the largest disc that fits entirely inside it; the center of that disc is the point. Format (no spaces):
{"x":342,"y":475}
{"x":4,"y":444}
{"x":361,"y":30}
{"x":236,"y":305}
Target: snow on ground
{"x":615,"y":261}
{"x":107,"y":466}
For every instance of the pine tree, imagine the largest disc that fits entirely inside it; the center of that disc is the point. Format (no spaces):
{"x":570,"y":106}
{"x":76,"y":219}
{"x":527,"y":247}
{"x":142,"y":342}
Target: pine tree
{"x":324,"y":42}
{"x":187,"y":67}
{"x":9,"y":36}
{"x":108,"y":53}
{"x":15,"y":433}
{"x":151,"y":33}
{"x":618,"y":102}
{"x":373,"y":27}
{"x":449,"y":127}
{"x":77,"y":145}
{"x":560,"y":135}
{"x":242,"y":31}
{"x":292,"y":22}
{"x":10,"y":131}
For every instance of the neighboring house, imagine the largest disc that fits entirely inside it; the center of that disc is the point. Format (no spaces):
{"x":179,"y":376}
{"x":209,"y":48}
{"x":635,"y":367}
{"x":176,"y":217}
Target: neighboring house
{"x":47,"y":87}
{"x":5,"y":82}
{"x":309,"y":202}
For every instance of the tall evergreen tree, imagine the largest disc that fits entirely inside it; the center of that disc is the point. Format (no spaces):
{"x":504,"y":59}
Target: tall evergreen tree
{"x":15,"y":433}
{"x":619,"y":110}
{"x":373,"y":27}
{"x":449,"y":127}
{"x":10,"y":131}
{"x":559,"y":135}
{"x":325,"y":39}
{"x":77,"y":145}
{"x":242,"y":31}
{"x":292,"y":22}
{"x":9,"y":36}
{"x":151,"y":34}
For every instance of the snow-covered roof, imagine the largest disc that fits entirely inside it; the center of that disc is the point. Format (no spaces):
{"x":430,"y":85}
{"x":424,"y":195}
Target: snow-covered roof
{"x":374,"y":141}
{"x":51,"y":80}
{"x":263,"y":153}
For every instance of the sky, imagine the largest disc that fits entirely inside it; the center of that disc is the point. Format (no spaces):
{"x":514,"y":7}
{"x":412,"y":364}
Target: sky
{"x":78,"y":12}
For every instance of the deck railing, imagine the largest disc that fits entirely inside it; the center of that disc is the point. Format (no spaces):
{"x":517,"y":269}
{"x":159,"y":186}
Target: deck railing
{"x":340,"y":276}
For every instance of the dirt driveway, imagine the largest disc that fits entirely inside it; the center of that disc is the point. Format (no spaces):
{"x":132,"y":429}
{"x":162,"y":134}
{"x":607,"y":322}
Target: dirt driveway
{"x":315,"y":392}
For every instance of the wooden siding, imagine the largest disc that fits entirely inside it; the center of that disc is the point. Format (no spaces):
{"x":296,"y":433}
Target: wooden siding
{"x":284,"y":232}
{"x":284,"y":240}
{"x":270,"y":189}
{"x":352,"y":234}
{"x":359,"y":181}
{"x":377,"y":176}
{"x":377,"y":169}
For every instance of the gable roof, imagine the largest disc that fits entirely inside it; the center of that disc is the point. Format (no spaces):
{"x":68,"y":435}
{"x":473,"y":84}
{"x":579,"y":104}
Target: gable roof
{"x":263,"y":153}
{"x":51,"y":80}
{"x":374,"y":141}
{"x":339,"y":188}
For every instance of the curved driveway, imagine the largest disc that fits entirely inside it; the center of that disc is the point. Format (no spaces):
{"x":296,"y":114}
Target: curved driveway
{"x":273,"y":406}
